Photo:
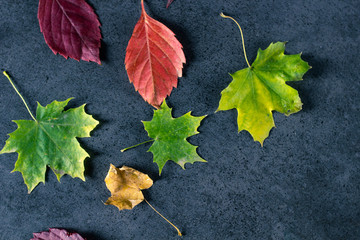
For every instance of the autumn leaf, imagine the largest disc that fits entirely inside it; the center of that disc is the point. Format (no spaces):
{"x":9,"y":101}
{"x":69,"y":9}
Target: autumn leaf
{"x":154,"y":59}
{"x":168,"y":3}
{"x":56,"y":234}
{"x":50,"y":140}
{"x":70,"y":28}
{"x":125,"y":185}
{"x":261,"y":88}
{"x":169,"y":136}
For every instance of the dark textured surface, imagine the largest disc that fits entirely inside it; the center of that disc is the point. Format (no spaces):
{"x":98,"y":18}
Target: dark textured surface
{"x":303,"y":184}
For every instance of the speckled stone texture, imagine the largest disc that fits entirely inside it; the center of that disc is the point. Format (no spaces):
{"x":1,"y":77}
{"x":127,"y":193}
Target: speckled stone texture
{"x":303,"y":184}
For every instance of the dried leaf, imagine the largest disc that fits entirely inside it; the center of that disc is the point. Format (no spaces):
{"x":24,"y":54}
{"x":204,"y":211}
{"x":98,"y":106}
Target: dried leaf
{"x":56,"y":234}
{"x":70,"y":28}
{"x":125,"y":185}
{"x":154,"y":59}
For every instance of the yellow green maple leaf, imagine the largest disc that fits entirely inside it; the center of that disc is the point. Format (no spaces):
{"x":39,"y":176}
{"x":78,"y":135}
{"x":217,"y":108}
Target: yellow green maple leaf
{"x":261,"y":88}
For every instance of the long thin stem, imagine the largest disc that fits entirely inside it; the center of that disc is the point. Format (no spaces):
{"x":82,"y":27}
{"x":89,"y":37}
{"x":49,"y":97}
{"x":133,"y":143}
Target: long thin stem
{"x":27,"y":107}
{"x":178,"y":231}
{"x":242,"y":36}
{"x":123,"y":150}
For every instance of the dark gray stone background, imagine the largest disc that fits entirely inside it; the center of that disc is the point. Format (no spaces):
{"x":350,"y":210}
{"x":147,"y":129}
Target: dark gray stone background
{"x":304,"y":182}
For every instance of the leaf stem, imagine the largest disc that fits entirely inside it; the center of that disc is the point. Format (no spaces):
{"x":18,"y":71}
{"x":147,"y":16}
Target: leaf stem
{"x":27,"y":107}
{"x":142,"y":5}
{"x":242,"y":36}
{"x":178,"y":231}
{"x":123,"y":150}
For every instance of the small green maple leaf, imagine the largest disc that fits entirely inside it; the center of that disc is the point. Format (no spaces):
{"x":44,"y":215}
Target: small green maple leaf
{"x":170,"y":134}
{"x":261,"y":88}
{"x":50,"y":140}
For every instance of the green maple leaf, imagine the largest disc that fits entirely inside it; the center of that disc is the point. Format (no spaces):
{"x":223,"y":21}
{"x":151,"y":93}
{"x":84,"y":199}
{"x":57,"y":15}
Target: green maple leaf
{"x":258,"y":90}
{"x":50,"y":140}
{"x":170,"y":134}
{"x":261,"y":88}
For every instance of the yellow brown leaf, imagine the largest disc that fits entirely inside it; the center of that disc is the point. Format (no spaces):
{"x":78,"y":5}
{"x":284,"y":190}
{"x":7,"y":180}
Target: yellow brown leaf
{"x":125,"y":185}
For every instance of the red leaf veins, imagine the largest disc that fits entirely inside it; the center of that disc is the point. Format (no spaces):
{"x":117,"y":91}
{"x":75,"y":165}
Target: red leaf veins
{"x":70,"y":28}
{"x":56,"y":234}
{"x":154,"y":59}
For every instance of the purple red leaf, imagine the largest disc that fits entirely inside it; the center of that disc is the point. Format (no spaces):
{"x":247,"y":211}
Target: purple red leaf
{"x":57,"y":234}
{"x":70,"y":28}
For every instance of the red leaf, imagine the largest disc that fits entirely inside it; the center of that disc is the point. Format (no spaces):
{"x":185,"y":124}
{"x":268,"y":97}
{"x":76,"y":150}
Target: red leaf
{"x":71,"y":28}
{"x":154,"y":59}
{"x":168,"y":3}
{"x":56,"y":234}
